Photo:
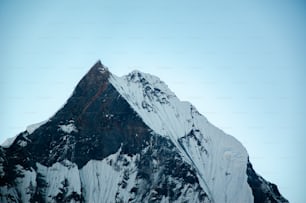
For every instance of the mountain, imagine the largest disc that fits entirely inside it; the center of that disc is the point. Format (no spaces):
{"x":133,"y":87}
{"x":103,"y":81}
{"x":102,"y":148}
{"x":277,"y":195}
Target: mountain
{"x":128,"y":139}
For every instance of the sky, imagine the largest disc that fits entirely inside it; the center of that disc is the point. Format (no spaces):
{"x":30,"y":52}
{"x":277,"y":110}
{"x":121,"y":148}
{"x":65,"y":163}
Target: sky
{"x":241,"y":63}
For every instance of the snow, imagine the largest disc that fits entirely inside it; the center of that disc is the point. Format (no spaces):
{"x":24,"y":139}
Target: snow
{"x":8,"y":142}
{"x":161,"y":110}
{"x":98,"y":181}
{"x":26,"y":184}
{"x":56,"y":175}
{"x":22,"y":143}
{"x":103,"y":69}
{"x":68,"y":128}
{"x":31,"y":128}
{"x":8,"y":193}
{"x":220,"y":160}
{"x":102,"y":180}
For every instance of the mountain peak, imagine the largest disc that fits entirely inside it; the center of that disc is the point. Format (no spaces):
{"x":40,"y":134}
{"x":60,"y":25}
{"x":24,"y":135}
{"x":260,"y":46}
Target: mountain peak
{"x":128,"y":139}
{"x":98,"y":67}
{"x":96,"y":77}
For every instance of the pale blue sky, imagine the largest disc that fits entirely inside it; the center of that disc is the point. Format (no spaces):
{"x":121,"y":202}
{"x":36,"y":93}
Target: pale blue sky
{"x":241,"y":63}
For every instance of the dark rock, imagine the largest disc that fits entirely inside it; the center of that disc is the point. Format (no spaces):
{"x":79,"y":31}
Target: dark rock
{"x":263,"y":191}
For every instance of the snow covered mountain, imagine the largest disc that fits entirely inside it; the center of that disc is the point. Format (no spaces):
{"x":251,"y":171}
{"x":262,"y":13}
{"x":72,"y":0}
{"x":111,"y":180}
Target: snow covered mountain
{"x":128,"y":139}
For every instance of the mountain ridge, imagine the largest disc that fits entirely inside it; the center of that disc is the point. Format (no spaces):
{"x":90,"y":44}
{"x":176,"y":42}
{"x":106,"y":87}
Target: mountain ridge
{"x":157,"y":148}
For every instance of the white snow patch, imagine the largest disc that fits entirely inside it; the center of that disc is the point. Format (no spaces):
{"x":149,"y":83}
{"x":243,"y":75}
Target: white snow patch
{"x":22,"y":143}
{"x":103,"y":69}
{"x":68,"y":128}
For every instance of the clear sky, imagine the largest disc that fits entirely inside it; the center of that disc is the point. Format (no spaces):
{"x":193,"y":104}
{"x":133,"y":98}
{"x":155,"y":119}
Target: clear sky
{"x":241,"y":63}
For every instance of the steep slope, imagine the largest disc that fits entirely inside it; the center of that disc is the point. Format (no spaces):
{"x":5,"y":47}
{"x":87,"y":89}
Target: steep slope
{"x":216,"y":156}
{"x":128,"y":139}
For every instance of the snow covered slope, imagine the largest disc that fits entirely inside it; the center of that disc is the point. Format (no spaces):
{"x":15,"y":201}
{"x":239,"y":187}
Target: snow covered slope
{"x":220,"y":160}
{"x":128,"y":139}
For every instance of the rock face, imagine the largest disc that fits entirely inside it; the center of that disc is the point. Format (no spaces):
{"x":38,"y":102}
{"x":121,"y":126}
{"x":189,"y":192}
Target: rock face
{"x":128,"y":139}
